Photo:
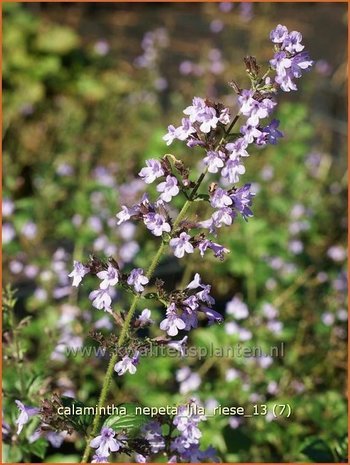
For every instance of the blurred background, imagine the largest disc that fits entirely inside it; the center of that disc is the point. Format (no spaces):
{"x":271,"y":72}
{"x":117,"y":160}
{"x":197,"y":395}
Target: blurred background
{"x":88,"y":92}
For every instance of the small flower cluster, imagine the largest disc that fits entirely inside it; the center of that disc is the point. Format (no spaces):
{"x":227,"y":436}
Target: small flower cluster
{"x":106,"y":443}
{"x":110,"y":276}
{"x":186,"y":445}
{"x":289,"y":60}
{"x":183,"y":308}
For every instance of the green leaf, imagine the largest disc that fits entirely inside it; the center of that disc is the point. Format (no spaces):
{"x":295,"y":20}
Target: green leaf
{"x":79,"y":420}
{"x":318,"y":451}
{"x":39,"y":447}
{"x":131,"y":421}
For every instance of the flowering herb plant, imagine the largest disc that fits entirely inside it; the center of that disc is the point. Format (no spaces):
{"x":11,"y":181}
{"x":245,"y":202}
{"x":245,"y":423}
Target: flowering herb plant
{"x":210,"y":127}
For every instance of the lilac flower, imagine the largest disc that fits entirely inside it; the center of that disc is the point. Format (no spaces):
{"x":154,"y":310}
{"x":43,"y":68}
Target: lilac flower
{"x":233,"y":169}
{"x":137,"y":279}
{"x":184,"y":131}
{"x":198,"y":105}
{"x":169,"y":188}
{"x":220,"y":198}
{"x":156,"y":223}
{"x":238,"y":147}
{"x":195,"y":283}
{"x":79,"y":271}
{"x":101,"y":299}
{"x":26,"y":413}
{"x":214,"y":161}
{"x":237,"y":308}
{"x":99,"y":459}
{"x":279,"y":34}
{"x":218,"y":249}
{"x":153,"y":171}
{"x":242,"y":200}
{"x":125,"y":214}
{"x":250,"y":133}
{"x":7,"y":207}
{"x":208,"y":120}
{"x":224,"y":116}
{"x":190,"y":317}
{"x":292,"y":42}
{"x":110,"y":277}
{"x":281,"y":63}
{"x":172,"y":323}
{"x":171,"y":135}
{"x":127,"y":364}
{"x":188,"y":380}
{"x":245,"y":101}
{"x":212,"y":315}
{"x":152,"y":432}
{"x":145,"y":318}
{"x":187,"y":424}
{"x":181,"y":244}
{"x":106,"y":442}
{"x":223,"y":216}
{"x":179,"y":345}
{"x":301,"y":62}
{"x":260,"y":110}
{"x":139,"y":458}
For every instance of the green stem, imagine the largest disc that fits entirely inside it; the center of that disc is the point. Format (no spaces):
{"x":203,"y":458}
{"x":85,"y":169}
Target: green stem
{"x":109,"y":373}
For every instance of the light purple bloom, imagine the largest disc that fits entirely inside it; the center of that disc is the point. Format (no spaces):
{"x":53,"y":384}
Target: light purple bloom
{"x":172,"y":323}
{"x":26,"y":413}
{"x":156,"y":223}
{"x":237,"y":309}
{"x":223,"y":216}
{"x":233,"y":169}
{"x":137,"y":279}
{"x":218,"y":249}
{"x":79,"y":271}
{"x":184,"y":131}
{"x":110,"y":277}
{"x":220,"y":198}
{"x":181,"y":244}
{"x":238,"y":147}
{"x":169,"y":188}
{"x":243,"y":199}
{"x":106,"y":442}
{"x":145,"y":318}
{"x":250,"y":133}
{"x":281,"y":63}
{"x":152,"y":171}
{"x":208,"y":119}
{"x":101,"y":299}
{"x":214,"y":161}
{"x":292,"y":42}
{"x":125,"y":214}
{"x":179,"y":345}
{"x":195,"y":283}
{"x":152,"y":432}
{"x":198,"y":105}
{"x":99,"y":459}
{"x":171,"y":135}
{"x":127,"y":364}
{"x":279,"y":34}
{"x":245,"y":101}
